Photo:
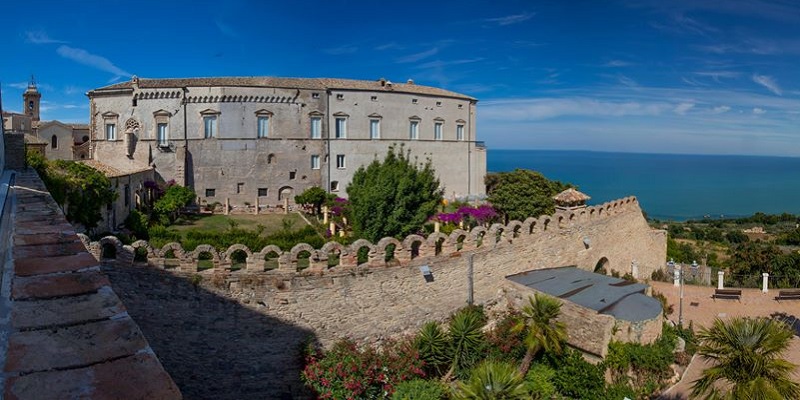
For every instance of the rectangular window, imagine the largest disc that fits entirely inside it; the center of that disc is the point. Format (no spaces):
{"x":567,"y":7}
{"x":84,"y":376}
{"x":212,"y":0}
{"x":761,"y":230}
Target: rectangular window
{"x":413,"y":132}
{"x":341,"y":128}
{"x":111,"y":131}
{"x":210,"y":126}
{"x":262,"y":192}
{"x":316,"y":127}
{"x":340,"y":161}
{"x":211,"y":192}
{"x":437,"y":131}
{"x":374,"y":129}
{"x":438,"y":104}
{"x":459,"y":132}
{"x":374,"y":98}
{"x":292,"y":174}
{"x":314,"y":161}
{"x":339,"y":97}
{"x":315,"y":95}
{"x":334,"y":186}
{"x":239,"y":188}
{"x":161,"y":135}
{"x":127,"y":195}
{"x":263,"y":126}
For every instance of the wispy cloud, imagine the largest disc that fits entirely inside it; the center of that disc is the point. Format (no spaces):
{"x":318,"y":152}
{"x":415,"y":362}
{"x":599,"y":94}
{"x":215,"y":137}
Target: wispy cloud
{"x":418,"y":56}
{"x":226,"y":29}
{"x":618,"y":63}
{"x":720,"y":109}
{"x":683,"y":108}
{"x":511,"y":19}
{"x":82,"y":56}
{"x":718,"y":75}
{"x":48,"y":106}
{"x":440,"y":63}
{"x":24,"y":85}
{"x":546,"y":108}
{"x":627,"y":81}
{"x":40,"y":37}
{"x":759,"y":111}
{"x":387,"y":46}
{"x":341,"y":50}
{"x":768,"y":83}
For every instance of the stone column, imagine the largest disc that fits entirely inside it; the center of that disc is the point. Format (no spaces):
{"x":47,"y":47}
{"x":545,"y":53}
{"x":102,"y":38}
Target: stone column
{"x":286,"y":205}
{"x":332,"y":228}
{"x":764,"y":282}
{"x":634,"y":269}
{"x":324,"y":214}
{"x":227,"y":206}
{"x":436,"y":226}
{"x":676,"y":275}
{"x":257,"y":206}
{"x":720,"y":279}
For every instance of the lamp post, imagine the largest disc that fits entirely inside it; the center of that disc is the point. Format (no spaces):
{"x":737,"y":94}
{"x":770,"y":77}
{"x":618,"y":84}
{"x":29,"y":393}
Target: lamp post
{"x":680,"y":302}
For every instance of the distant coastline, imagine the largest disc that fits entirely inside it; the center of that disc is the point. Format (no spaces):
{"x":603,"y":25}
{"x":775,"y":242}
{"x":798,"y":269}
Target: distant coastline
{"x":670,"y":186}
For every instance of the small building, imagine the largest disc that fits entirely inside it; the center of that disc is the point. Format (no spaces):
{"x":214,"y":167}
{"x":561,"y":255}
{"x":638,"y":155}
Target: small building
{"x":596,"y":308}
{"x":570,"y":200}
{"x":131,"y":192}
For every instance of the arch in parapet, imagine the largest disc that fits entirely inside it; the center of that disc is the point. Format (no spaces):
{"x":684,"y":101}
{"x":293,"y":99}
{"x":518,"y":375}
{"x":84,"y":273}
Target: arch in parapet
{"x":457,"y":238}
{"x":592,"y":213}
{"x":175,"y":248}
{"x":560,"y":221}
{"x":110,"y":247}
{"x":387,"y":241}
{"x":477,"y":234}
{"x":435,"y":237}
{"x":582,"y":216}
{"x":545,"y":223}
{"x":602,"y":266}
{"x":270,"y":254}
{"x":413,"y":244}
{"x":142,"y":251}
{"x":496,"y":232}
{"x":236,"y":247}
{"x":530,"y":225}
{"x":298,"y":248}
{"x":331,"y":252}
{"x":204,"y":248}
{"x":362,"y":248}
{"x":515,"y":227}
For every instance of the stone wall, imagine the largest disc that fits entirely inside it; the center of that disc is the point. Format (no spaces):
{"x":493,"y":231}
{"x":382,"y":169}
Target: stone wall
{"x":378,"y":298}
{"x":14,"y":151}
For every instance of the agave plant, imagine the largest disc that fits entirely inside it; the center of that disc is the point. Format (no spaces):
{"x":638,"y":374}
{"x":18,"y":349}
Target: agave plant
{"x":434,"y":348}
{"x":493,"y":380}
{"x":747,"y":362}
{"x":466,"y":339}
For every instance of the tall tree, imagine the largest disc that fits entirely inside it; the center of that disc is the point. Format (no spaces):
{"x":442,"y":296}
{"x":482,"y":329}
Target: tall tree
{"x":542,"y":331}
{"x":746,"y":354}
{"x":314,"y":196}
{"x":522,"y":193}
{"x":393,"y":197}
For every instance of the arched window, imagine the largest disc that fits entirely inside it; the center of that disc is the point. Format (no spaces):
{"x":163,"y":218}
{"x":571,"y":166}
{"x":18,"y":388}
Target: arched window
{"x":54,"y":142}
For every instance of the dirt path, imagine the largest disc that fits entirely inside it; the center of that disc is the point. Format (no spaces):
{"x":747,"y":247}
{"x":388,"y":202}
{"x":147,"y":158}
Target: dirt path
{"x":701,"y":309}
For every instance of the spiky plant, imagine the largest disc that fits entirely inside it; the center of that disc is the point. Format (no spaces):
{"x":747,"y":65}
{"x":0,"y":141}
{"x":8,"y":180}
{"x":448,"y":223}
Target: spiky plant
{"x":493,"y":380}
{"x":466,"y":340}
{"x":746,"y":354}
{"x":542,"y":331}
{"x":434,"y":348}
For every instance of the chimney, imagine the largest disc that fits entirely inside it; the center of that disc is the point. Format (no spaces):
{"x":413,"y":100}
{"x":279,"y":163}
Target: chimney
{"x":382,"y":81}
{"x":410,"y":82}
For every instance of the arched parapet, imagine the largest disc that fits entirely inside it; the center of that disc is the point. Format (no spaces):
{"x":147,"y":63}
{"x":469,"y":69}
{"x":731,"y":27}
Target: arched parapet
{"x":175,"y":247}
{"x":514,"y":229}
{"x":546,"y":223}
{"x":227,"y":259}
{"x":332,"y":248}
{"x":193,"y":258}
{"x":352,"y":258}
{"x":460,"y":240}
{"x":313,"y":257}
{"x":477,"y":236}
{"x":438,"y":242}
{"x":259,"y":259}
{"x":397,"y":252}
{"x":415,"y":246}
{"x":149,"y":253}
{"x":111,"y":247}
{"x":497,"y":234}
{"x":530,"y":225}
{"x":583,"y":216}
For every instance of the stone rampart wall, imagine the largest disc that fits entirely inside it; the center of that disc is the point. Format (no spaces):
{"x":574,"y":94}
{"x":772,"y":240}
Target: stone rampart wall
{"x":378,"y":299}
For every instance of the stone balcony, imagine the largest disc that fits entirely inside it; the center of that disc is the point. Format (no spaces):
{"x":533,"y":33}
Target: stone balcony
{"x":65,"y":333}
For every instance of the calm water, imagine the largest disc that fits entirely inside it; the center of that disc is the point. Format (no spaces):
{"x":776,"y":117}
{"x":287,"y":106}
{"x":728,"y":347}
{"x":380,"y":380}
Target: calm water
{"x":670,"y":186}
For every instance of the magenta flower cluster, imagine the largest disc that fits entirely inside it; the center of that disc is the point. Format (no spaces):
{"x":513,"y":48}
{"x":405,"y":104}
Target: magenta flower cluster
{"x":481,"y":214}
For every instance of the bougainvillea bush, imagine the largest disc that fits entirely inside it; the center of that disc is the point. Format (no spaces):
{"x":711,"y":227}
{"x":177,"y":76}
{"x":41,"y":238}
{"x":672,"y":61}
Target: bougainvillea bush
{"x":349,"y":372}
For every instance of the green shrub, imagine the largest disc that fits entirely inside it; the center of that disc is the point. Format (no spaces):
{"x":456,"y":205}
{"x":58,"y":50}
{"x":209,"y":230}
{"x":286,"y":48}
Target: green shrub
{"x":420,"y":389}
{"x":505,"y":344}
{"x":577,"y":378}
{"x":539,"y":381}
{"x":138,"y":223}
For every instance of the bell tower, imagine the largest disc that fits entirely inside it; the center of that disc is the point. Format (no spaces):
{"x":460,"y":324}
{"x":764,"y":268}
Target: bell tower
{"x":31,"y":99}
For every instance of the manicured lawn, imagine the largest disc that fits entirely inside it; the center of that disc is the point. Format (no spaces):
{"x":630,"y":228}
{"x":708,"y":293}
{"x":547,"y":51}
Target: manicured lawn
{"x":271,"y":222}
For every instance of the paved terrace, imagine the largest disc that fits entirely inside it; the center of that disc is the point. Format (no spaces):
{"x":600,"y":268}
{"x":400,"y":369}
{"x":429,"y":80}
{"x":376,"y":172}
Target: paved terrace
{"x":65,"y":333}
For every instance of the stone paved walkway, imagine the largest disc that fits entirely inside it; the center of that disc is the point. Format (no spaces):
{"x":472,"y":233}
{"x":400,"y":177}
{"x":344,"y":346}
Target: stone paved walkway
{"x":701,"y":310}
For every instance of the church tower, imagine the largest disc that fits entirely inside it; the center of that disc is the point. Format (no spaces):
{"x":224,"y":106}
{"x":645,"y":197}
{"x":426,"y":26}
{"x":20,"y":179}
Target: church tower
{"x":31,"y":99}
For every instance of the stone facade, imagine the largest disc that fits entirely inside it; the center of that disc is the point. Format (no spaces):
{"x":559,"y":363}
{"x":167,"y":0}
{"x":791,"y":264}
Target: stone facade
{"x":377,"y":298}
{"x":268,"y":139}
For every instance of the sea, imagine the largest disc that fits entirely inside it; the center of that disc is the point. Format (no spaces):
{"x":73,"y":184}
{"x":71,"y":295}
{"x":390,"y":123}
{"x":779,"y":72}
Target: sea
{"x":669,"y":186}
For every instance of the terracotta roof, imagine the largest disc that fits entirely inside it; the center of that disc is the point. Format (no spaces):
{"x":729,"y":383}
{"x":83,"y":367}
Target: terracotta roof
{"x":288,"y":83}
{"x":112,"y":172}
{"x":570,"y":196}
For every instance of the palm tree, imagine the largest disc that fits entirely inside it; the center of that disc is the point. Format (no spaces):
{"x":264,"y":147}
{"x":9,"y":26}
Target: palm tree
{"x":542,"y":331}
{"x":493,"y":380}
{"x":746,"y":353}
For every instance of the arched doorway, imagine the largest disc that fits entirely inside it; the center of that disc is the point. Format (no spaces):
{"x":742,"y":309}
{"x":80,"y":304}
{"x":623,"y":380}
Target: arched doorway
{"x":285,"y":193}
{"x":602,"y":266}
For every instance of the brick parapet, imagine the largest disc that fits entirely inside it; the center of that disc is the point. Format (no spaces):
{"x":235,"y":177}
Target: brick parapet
{"x":67,"y":334}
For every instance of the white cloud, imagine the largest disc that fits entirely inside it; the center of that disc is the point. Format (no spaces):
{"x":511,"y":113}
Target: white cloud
{"x":440,"y":63}
{"x":418,"y":56}
{"x":40,"y":37}
{"x":618,"y":63}
{"x":759,"y":111}
{"x":627,"y":81}
{"x":545,"y":108}
{"x":683,"y":108}
{"x":511,"y":19}
{"x":82,"y":56}
{"x":720,"y":109}
{"x":768,"y":83}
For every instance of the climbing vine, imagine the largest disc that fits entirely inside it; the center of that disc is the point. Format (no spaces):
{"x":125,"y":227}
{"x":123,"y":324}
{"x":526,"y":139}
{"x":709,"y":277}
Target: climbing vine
{"x":78,"y":188}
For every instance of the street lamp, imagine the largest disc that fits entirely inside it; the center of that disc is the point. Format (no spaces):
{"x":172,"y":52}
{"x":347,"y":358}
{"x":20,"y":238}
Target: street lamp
{"x":679,"y":272}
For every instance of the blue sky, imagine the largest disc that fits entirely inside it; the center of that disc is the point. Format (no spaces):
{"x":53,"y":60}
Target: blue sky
{"x":681,"y":76}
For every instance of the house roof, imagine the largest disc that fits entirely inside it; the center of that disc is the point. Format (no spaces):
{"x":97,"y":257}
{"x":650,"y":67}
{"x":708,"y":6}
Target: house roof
{"x":605,"y":294}
{"x":288,"y":83}
{"x":570,"y":196}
